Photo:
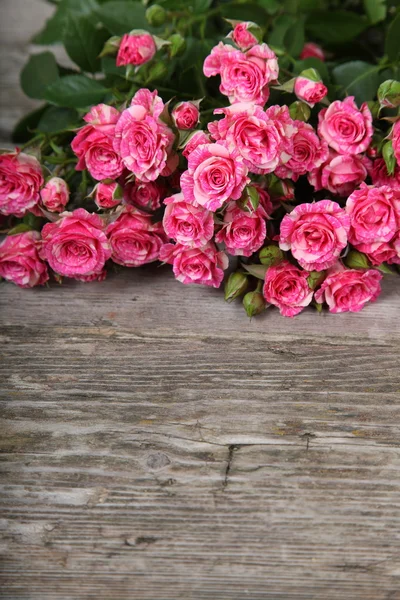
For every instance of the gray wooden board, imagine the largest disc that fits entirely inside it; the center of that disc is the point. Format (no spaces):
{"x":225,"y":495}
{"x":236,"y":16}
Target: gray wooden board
{"x":156,"y":445}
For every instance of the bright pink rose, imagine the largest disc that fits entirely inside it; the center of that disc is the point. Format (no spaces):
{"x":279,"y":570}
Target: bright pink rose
{"x":242,"y":232}
{"x":380,"y":175}
{"x":242,"y":35}
{"x":142,"y":139}
{"x":93,"y":144}
{"x":340,"y":174}
{"x":215,"y":174}
{"x":309,"y":91}
{"x":187,"y":224}
{"x":146,"y":196}
{"x":379,"y":252}
{"x":186,"y":115}
{"x":55,"y":194}
{"x":348,"y":290}
{"x":286,"y":287}
{"x":76,"y":245}
{"x":244,"y":76}
{"x":134,"y":239}
{"x":311,"y":50}
{"x":136,"y":49}
{"x":247,"y":128}
{"x":346,"y":129}
{"x":395,"y":136}
{"x":196,"y":265}
{"x":20,"y":261}
{"x":315,"y":233}
{"x":196,"y":139}
{"x":108,"y":195}
{"x":20,"y":181}
{"x":374,"y":214}
{"x":307,"y":153}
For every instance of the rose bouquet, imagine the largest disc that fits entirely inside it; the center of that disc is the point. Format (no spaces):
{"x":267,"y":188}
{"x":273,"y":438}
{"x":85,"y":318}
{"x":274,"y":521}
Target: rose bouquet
{"x":215,"y":138}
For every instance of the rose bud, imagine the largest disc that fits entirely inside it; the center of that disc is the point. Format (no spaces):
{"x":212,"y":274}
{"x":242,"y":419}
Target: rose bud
{"x":245,"y":35}
{"x":55,"y":195}
{"x":309,"y":88}
{"x":356,"y":260}
{"x":107,"y":194}
{"x":235,"y":286}
{"x":270,"y":255}
{"x":177,"y":45}
{"x":136,"y":48}
{"x":281,"y":189}
{"x":389,"y":94}
{"x":156,"y":15}
{"x":254,"y":303}
{"x":186,"y":115}
{"x":311,"y":50}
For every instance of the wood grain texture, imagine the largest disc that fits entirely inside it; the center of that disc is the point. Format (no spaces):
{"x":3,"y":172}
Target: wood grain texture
{"x":156,"y":445}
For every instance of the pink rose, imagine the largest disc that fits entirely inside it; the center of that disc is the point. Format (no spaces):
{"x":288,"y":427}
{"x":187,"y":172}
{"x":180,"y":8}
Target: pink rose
{"x":242,"y":35}
{"x":20,"y":181}
{"x":348,"y":290}
{"x":315,"y":233}
{"x":187,"y":224}
{"x":286,"y":287}
{"x":242,"y":232}
{"x":144,"y":195}
{"x":196,"y":139}
{"x":94,"y":277}
{"x":264,"y":199}
{"x":379,"y":252}
{"x":134,"y":239}
{"x":76,"y":245}
{"x":142,"y":139}
{"x":309,"y":91}
{"x":380,"y":176}
{"x":311,"y":50}
{"x":307,"y":152}
{"x":247,"y":128}
{"x":374,"y":214}
{"x":55,"y":195}
{"x":196,"y":265}
{"x":345,"y":128}
{"x":395,"y":137}
{"x":185,"y":115}
{"x":340,"y":174}
{"x":244,"y":76}
{"x":215,"y":174}
{"x":108,"y":195}
{"x":20,"y":261}
{"x":93,"y":144}
{"x":136,"y":49}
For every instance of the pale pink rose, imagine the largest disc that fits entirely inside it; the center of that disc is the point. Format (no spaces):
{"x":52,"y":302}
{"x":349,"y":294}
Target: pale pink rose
{"x":76,"y":245}
{"x":196,"y":139}
{"x":20,"y":181}
{"x":215,"y":174}
{"x":107,"y":194}
{"x":307,"y":153}
{"x":374,"y":214}
{"x":380,"y":176}
{"x":242,"y":232}
{"x":187,"y":224}
{"x":395,"y":137}
{"x":312,"y":50}
{"x":346,"y":129}
{"x":348,"y":290}
{"x":142,"y":140}
{"x":144,"y":195}
{"x":185,"y":115}
{"x":203,"y":266}
{"x":315,"y":233}
{"x":93,"y":144}
{"x":134,"y":239}
{"x":247,"y":128}
{"x":55,"y":195}
{"x":286,"y":287}
{"x":379,"y":252}
{"x":20,"y":261}
{"x":242,"y":35}
{"x":136,"y":49}
{"x":244,"y":76}
{"x":340,"y":174}
{"x":309,"y":91}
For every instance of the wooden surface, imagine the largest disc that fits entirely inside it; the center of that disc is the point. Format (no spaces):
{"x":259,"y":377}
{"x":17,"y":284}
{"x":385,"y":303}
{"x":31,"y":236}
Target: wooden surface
{"x":155,"y":445}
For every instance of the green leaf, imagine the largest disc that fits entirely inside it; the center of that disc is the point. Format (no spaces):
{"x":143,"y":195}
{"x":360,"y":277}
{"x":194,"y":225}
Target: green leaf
{"x":294,"y":37}
{"x":23,"y":129}
{"x":109,"y":67}
{"x":245,"y":12}
{"x":200,"y":6}
{"x":20,"y":228}
{"x":313,"y":63}
{"x":358,"y":78}
{"x":335,"y":26}
{"x":271,"y":6}
{"x":376,"y":10}
{"x":75,"y":91}
{"x":120,"y":17}
{"x":392,"y":44}
{"x":53,"y":30}
{"x":281,"y":26}
{"x":38,"y":73}
{"x":84,"y":42}
{"x":58,"y":119}
{"x":256,"y":270}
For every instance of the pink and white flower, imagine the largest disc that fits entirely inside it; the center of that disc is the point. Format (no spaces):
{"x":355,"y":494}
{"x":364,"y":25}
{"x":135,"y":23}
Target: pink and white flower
{"x":346,"y":128}
{"x":20,"y":262}
{"x":204,"y":266}
{"x":340,"y":174}
{"x":312,"y":50}
{"x":309,"y":91}
{"x":395,"y":137}
{"x":197,"y":138}
{"x":185,"y":115}
{"x":380,"y":176}
{"x":286,"y":287}
{"x":242,"y":35}
{"x":20,"y":181}
{"x":186,"y":224}
{"x":144,"y":195}
{"x":242,"y":232}
{"x":107,"y":194}
{"x":55,"y":195}
{"x":307,"y":153}
{"x":136,"y":48}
